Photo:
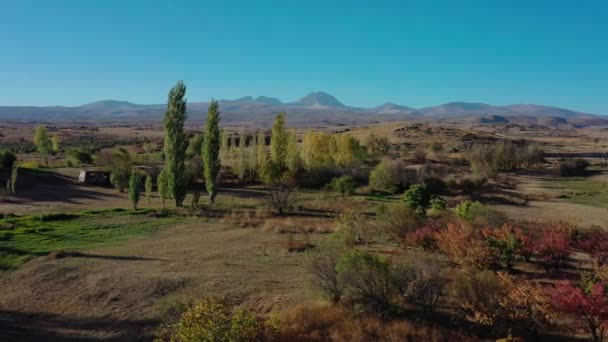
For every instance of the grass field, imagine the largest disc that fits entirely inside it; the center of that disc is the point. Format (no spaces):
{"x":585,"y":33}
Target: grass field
{"x":26,"y":237}
{"x":580,"y":190}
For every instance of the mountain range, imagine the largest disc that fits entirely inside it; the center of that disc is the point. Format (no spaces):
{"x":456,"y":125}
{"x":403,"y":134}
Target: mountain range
{"x":315,"y":109}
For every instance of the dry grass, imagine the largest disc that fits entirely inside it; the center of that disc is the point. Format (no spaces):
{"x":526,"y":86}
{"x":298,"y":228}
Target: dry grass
{"x":300,"y":225}
{"x":322,"y":322}
{"x":247,"y":218}
{"x":292,"y":244}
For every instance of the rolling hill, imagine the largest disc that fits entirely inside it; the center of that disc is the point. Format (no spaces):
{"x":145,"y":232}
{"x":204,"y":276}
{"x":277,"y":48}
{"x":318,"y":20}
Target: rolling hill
{"x":315,"y":109}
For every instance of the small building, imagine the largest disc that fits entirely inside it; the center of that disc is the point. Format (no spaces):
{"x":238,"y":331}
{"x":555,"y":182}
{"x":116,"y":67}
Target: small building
{"x":94,"y":177}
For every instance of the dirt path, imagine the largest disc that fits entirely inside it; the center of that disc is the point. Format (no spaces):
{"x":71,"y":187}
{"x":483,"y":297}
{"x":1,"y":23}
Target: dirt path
{"x":117,"y":293}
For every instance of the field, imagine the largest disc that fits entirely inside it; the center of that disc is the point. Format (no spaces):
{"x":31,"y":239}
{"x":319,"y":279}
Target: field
{"x":79,"y":264}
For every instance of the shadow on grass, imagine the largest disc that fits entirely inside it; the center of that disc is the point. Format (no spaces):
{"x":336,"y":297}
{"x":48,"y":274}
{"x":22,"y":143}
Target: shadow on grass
{"x":35,"y":326}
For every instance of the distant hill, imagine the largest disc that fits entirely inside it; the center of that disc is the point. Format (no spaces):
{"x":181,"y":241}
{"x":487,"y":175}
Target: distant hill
{"x":319,"y":99}
{"x":315,"y":109}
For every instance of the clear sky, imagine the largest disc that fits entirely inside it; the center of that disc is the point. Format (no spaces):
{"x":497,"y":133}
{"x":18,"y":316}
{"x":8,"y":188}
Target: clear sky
{"x":415,"y":53}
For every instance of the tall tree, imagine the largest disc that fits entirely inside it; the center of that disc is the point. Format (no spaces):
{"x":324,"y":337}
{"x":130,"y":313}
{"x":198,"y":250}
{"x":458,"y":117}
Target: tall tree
{"x":292,"y":155}
{"x":148,"y":186}
{"x":253,"y":158}
{"x":241,"y":161}
{"x":134,"y":181}
{"x":43,"y":143}
{"x":14,"y":175}
{"x":261,"y":148}
{"x":176,"y":143}
{"x":211,"y":150}
{"x":55,"y":144}
{"x":161,"y":184}
{"x":278,"y":141}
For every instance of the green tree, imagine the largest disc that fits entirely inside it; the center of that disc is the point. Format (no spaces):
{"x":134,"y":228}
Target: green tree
{"x":176,"y":143}
{"x":262,"y":156}
{"x":161,"y":184}
{"x":55,"y":144}
{"x":345,"y":185}
{"x":418,"y":197}
{"x":241,"y":162}
{"x":14,"y":175}
{"x":195,"y":145}
{"x":43,"y":143}
{"x":292,"y":156}
{"x":134,"y":181}
{"x":211,"y":150}
{"x":278,"y":141}
{"x":148,"y":186}
{"x":120,"y":166}
{"x":253,"y":158}
{"x":316,"y":150}
{"x":378,"y":146}
{"x":348,"y":152}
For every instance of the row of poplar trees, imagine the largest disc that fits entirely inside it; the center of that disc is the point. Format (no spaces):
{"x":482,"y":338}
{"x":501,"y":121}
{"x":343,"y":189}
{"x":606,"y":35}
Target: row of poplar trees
{"x":176,"y":143}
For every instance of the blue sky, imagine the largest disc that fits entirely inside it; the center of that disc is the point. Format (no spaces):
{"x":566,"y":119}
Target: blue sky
{"x":415,"y":53}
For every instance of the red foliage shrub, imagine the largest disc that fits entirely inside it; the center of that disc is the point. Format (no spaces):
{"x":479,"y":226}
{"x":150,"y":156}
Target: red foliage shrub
{"x":553,"y":247}
{"x":589,"y":309}
{"x":465,"y":245}
{"x":595,"y":243}
{"x":507,"y":240}
{"x":424,"y":237}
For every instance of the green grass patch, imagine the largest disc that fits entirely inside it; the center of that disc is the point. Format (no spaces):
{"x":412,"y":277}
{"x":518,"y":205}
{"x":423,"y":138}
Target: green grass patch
{"x":41,"y":234}
{"x":581,"y":190}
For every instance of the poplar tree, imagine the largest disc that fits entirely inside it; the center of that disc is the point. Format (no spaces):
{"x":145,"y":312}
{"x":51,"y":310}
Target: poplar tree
{"x":253,"y":158}
{"x":176,"y":143}
{"x":134,"y":181}
{"x":43,"y":143}
{"x":161,"y":184}
{"x":278,"y":141}
{"x":55,"y":144}
{"x":211,"y":150}
{"x":261,"y":150}
{"x":241,"y":161}
{"x":292,"y":155}
{"x":14,"y":175}
{"x":148,"y":187}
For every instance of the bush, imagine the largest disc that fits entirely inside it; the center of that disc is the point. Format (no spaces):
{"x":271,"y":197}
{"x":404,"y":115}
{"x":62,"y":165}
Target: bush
{"x":507,"y":240}
{"x":325,"y":277}
{"x":573,"y":168}
{"x":427,"y":284}
{"x":368,"y":278}
{"x":437,"y":206}
{"x":120,"y":179}
{"x":424,"y":237}
{"x":354,"y":228}
{"x":589,"y":308}
{"x":345,"y":185}
{"x":595,"y":242}
{"x":553,"y":247}
{"x":397,"y":221}
{"x":323,"y":322}
{"x":77,"y":156}
{"x":465,"y":246}
{"x":377,"y":146}
{"x":7,"y":158}
{"x":478,"y":214}
{"x":418,"y":198}
{"x":213,"y":320}
{"x":480,"y":295}
{"x":390,"y":176}
{"x":282,"y":197}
